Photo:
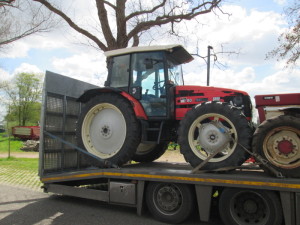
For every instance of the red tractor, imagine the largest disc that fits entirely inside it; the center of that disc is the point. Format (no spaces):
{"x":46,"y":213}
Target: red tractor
{"x":277,"y":138}
{"x":145,"y":105}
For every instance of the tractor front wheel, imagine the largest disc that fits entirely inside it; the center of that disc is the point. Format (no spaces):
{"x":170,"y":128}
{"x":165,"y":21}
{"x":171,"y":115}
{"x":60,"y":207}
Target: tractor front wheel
{"x":108,"y":128}
{"x":214,"y":127}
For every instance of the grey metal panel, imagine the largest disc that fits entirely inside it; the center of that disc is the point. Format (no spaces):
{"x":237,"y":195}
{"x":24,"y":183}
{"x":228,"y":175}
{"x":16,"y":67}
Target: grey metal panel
{"x":204,"y":195}
{"x":78,"y":192}
{"x":122,"y":192}
{"x":67,"y":86}
{"x":288,"y":207}
{"x":140,"y":197}
{"x":297,"y":208}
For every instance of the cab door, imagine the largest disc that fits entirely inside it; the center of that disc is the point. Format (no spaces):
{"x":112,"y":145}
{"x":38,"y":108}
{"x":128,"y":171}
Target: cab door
{"x":148,"y":74}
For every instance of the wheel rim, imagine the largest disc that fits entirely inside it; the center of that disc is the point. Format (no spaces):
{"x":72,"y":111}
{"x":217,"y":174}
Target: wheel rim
{"x":167,"y":199}
{"x":206,"y":135}
{"x":249,"y":208}
{"x":282,"y":147}
{"x":104,"y":130}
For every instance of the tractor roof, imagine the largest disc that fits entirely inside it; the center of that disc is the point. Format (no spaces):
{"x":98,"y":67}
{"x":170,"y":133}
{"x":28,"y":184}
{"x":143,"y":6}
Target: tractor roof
{"x":177,"y":51}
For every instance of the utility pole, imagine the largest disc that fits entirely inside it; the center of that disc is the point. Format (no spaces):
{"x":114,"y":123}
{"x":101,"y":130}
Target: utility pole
{"x":208,"y":64}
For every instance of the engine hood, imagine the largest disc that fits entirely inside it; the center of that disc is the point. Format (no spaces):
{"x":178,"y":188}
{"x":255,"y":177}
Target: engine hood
{"x":192,"y":90}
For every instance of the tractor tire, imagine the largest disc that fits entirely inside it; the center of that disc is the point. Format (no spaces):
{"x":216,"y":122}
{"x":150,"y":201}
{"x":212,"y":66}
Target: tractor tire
{"x":278,"y":140}
{"x":108,"y":128}
{"x":250,"y":206}
{"x":149,"y":152}
{"x":212,"y":126}
{"x":170,"y":202}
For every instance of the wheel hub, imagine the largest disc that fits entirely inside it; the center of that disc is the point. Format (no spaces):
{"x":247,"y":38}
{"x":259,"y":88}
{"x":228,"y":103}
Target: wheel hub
{"x":168,"y":198}
{"x":211,"y":138}
{"x":285,"y":146}
{"x":250,"y":206}
{"x":106,"y":132}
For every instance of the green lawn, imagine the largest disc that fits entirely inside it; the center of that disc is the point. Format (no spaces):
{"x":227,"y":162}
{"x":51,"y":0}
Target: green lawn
{"x":15,"y":144}
{"x":20,"y":163}
{"x":20,"y":172}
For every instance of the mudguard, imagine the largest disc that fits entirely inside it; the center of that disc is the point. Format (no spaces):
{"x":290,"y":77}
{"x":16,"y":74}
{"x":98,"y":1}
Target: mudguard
{"x":137,"y":106}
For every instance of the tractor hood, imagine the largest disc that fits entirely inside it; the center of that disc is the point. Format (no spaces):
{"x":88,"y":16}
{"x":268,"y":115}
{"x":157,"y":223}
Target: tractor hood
{"x":188,"y":96}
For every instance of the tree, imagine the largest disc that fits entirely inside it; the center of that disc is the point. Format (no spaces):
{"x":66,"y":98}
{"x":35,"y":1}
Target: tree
{"x":24,"y":95}
{"x":132,"y":18}
{"x":20,"y":19}
{"x":289,"y":42}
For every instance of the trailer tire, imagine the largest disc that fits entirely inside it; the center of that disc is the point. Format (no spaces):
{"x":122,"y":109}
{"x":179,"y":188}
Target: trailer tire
{"x":170,"y":202}
{"x":246,"y":206}
{"x":278,"y":140}
{"x":108,"y":128}
{"x":149,"y":152}
{"x":202,"y":131}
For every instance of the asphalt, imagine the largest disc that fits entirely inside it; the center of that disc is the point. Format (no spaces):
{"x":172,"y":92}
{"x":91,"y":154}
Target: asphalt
{"x":22,"y":206}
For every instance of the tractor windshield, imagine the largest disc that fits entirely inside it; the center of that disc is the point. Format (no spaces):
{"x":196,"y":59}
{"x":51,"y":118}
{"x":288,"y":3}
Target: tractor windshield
{"x":175,"y":73}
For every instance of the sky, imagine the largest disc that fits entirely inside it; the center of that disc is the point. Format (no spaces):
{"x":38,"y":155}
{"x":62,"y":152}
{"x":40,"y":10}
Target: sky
{"x":251,"y":30}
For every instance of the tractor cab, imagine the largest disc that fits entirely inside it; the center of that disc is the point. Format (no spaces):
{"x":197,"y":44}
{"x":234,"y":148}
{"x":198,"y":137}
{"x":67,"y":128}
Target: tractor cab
{"x":148,"y":74}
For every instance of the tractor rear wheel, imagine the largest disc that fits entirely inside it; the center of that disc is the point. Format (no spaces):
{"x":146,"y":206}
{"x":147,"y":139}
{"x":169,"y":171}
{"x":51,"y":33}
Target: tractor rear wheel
{"x":278,"y":140}
{"x":211,"y":127}
{"x":108,"y":128}
{"x":149,"y":152}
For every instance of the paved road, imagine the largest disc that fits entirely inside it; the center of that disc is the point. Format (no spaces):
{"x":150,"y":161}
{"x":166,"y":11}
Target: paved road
{"x":26,"y":207}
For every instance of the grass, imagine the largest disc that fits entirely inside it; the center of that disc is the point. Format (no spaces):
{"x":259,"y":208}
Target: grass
{"x":15,"y":144}
{"x":20,"y":163}
{"x":20,"y":172}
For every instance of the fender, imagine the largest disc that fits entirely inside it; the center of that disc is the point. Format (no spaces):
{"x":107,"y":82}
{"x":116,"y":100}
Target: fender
{"x":137,"y":106}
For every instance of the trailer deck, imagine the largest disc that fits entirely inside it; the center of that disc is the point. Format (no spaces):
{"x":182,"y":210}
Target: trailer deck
{"x":174,"y":172}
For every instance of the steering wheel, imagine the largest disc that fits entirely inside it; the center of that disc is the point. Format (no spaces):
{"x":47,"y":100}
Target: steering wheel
{"x":156,"y":85}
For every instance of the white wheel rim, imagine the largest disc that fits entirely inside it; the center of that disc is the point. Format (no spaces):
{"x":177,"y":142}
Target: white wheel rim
{"x":195,"y":145}
{"x":270,"y":147}
{"x":104,"y":130}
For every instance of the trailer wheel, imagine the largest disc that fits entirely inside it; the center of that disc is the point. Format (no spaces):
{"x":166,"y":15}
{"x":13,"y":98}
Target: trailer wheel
{"x":108,"y":128}
{"x":246,"y":206}
{"x":210,"y":126}
{"x":170,"y":202}
{"x":149,"y":152}
{"x":278,"y":140}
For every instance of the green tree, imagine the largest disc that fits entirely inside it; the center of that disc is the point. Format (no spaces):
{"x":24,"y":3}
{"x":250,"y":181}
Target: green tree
{"x":24,"y":98}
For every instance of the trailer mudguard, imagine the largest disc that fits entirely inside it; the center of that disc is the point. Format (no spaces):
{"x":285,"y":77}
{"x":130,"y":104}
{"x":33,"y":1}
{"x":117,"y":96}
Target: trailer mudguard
{"x":137,"y":106}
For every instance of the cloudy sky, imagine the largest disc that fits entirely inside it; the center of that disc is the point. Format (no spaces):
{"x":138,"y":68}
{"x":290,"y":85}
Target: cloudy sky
{"x":251,"y":30}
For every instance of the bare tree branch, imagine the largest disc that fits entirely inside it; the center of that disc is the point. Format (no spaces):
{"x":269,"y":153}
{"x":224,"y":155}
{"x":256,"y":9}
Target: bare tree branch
{"x":175,"y":18}
{"x":289,"y":42}
{"x":72,"y":24}
{"x":102,"y":14}
{"x":138,"y":13}
{"x":139,"y":17}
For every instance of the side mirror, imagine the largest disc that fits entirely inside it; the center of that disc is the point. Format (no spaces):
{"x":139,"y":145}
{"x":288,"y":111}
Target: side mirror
{"x":136,"y":92}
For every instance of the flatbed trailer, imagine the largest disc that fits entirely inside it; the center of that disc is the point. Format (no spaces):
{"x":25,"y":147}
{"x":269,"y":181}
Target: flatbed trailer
{"x":170,"y":190}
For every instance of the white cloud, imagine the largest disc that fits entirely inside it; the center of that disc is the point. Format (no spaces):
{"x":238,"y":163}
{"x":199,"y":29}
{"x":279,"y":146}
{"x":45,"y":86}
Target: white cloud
{"x":280,"y":2}
{"x":27,"y":68}
{"x":86,"y":67}
{"x":4,"y":75}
